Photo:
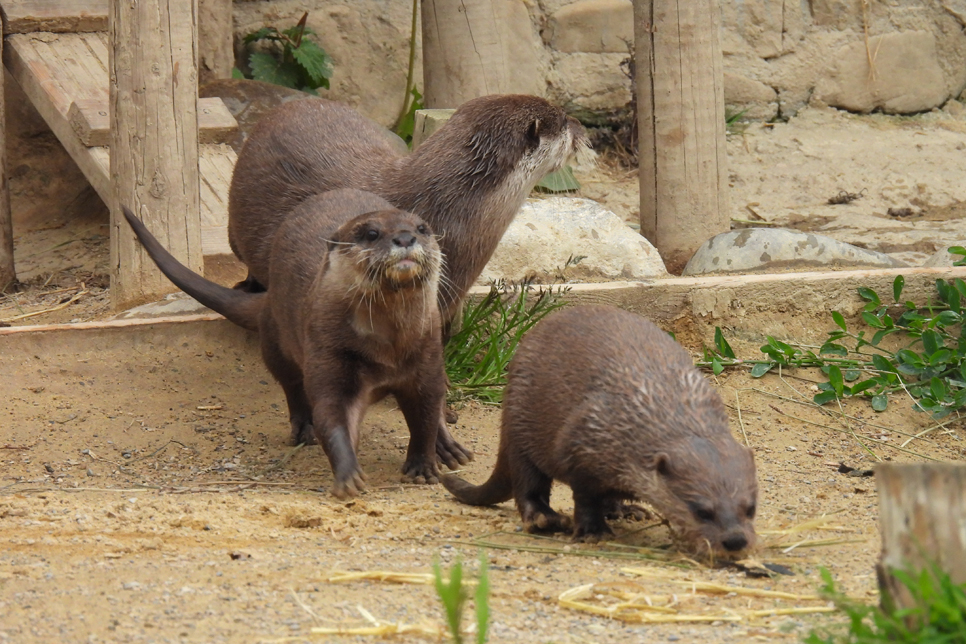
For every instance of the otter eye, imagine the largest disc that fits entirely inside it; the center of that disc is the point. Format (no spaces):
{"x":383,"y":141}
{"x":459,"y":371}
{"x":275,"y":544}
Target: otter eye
{"x":704,"y":514}
{"x":372,"y":234}
{"x":421,"y":229}
{"x":750,"y":512}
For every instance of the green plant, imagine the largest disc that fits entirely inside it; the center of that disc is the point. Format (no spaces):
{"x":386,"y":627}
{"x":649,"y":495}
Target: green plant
{"x":958,"y":250}
{"x":938,"y":615}
{"x":478,"y":354}
{"x":562,"y":180}
{"x":930,"y":368}
{"x":453,"y":595}
{"x":407,"y":123}
{"x":288,"y":58}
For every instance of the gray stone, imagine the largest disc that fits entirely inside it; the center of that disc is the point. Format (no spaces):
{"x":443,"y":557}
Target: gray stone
{"x":173,"y":304}
{"x":594,"y":26}
{"x":838,"y":14}
{"x":589,"y":81}
{"x":766,"y":250}
{"x":943,"y":258}
{"x":755,"y":99}
{"x":548,"y":232}
{"x":907,"y":75}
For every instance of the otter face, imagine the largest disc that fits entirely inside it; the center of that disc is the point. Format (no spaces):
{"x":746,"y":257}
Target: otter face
{"x":709,"y":493}
{"x":390,"y":249}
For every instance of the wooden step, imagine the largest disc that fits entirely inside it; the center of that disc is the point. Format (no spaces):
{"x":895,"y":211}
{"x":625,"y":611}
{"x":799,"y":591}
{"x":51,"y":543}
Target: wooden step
{"x":91,"y":120}
{"x":58,"y":70}
{"x":26,"y":16}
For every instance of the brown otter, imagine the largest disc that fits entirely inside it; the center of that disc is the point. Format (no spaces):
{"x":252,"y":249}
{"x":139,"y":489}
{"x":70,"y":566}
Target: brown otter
{"x":468,"y":180}
{"x":351,"y":317}
{"x":606,"y":402}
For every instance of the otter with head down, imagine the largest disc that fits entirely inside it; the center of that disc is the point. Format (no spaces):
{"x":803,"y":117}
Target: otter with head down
{"x":605,"y":401}
{"x":351,"y":317}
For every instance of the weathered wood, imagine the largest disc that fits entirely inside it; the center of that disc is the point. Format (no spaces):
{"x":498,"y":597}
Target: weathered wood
{"x":216,"y":57}
{"x":922,"y":519}
{"x":26,"y":16}
{"x":681,"y":126}
{"x":8,"y":273}
{"x":465,"y":54}
{"x":91,"y":121}
{"x":154,"y":150}
{"x":427,"y":122}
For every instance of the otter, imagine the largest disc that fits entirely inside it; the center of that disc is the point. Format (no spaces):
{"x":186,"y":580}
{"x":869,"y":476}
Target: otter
{"x":605,"y":401}
{"x":468,"y":179}
{"x":351,"y":317}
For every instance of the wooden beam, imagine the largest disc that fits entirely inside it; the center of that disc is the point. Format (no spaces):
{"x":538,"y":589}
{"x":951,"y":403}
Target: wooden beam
{"x":154,"y":150}
{"x":25,"y":16}
{"x":91,"y":121}
{"x":8,"y":273}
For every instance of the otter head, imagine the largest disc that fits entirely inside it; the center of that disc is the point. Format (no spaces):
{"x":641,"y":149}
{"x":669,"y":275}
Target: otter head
{"x":707,"y":489}
{"x":389,"y":250}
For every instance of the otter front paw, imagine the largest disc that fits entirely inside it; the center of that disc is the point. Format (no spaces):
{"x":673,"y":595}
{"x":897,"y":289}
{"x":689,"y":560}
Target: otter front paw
{"x":420,"y":470}
{"x":449,"y":452}
{"x":547,"y":521}
{"x":350,"y":485}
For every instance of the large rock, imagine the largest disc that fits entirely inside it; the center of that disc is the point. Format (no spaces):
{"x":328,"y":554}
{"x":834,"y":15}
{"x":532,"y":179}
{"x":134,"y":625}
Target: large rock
{"x":943,"y":258}
{"x":768,"y":250}
{"x":593,"y":26}
{"x":907,"y":75}
{"x":548,"y":232}
{"x":754,"y":98}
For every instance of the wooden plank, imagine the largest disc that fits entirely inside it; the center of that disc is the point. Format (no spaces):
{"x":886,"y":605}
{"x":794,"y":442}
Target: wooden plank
{"x":8,"y":272}
{"x":48,"y":89}
{"x":26,"y":16}
{"x":91,"y":120}
{"x":216,"y":163}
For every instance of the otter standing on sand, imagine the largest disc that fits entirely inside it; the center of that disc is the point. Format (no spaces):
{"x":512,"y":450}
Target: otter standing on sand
{"x":468,"y":180}
{"x":351,"y":317}
{"x":608,"y":403}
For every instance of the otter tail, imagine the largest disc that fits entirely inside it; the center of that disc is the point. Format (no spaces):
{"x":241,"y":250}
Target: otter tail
{"x":239,"y":307}
{"x":498,"y":488}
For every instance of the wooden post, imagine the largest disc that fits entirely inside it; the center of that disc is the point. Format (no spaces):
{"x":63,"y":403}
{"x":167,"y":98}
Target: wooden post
{"x":922,"y":518}
{"x":465,"y":52}
{"x":8,"y":274}
{"x":154,"y":144}
{"x":216,"y":56}
{"x":681,"y":126}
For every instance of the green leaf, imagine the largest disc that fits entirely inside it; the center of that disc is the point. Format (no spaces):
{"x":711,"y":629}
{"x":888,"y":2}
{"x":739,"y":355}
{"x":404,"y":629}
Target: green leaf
{"x":723,"y":347}
{"x":839,"y":320}
{"x":941,"y":357}
{"x":880,"y":402}
{"x":835,"y":379}
{"x":938,"y":389}
{"x":316,"y":63}
{"x":824,"y":397}
{"x":716,"y":366}
{"x":859,"y":387}
{"x":563,"y":180}
{"x":870,"y":295}
{"x":877,"y":338}
{"x":407,"y":123}
{"x":267,"y":68}
{"x":948,"y":318}
{"x":761,"y":368}
{"x":872,"y":320}
{"x":830,"y":348}
{"x":931,"y":342}
{"x":482,"y":600}
{"x":881,"y":363}
{"x":897,"y":285}
{"x":270,"y":33}
{"x":237,"y":74}
{"x":851,"y":375}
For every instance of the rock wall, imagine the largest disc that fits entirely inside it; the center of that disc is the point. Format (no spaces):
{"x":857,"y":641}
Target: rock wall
{"x":898,"y":56}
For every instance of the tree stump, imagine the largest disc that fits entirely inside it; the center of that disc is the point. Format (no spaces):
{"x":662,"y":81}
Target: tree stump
{"x":922,"y":517}
{"x":154,"y":144}
{"x":681,"y":126}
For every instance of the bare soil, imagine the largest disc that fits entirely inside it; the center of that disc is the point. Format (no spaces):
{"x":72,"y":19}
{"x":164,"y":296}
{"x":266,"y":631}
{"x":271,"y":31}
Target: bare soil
{"x":147,"y":492}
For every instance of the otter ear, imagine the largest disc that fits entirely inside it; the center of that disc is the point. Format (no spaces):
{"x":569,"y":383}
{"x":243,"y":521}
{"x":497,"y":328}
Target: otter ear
{"x":533,"y":134}
{"x":662,"y":464}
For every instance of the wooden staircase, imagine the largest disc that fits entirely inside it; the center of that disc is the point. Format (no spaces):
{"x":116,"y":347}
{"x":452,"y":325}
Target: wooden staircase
{"x":57,"y":50}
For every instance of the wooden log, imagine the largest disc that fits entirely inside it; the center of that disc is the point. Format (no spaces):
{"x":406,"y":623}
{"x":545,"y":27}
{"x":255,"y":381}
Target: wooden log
{"x":922,"y":518}
{"x":91,"y":121}
{"x":681,"y":126}
{"x":216,"y":57}
{"x":8,"y":273}
{"x":27,"y":16}
{"x":154,"y":148}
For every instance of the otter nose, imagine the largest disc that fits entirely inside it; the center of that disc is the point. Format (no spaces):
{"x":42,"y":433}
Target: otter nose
{"x":735,"y":543}
{"x":403,"y":240}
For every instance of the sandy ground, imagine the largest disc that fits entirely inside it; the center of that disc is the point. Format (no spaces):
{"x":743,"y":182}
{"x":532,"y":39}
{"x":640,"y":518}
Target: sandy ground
{"x":148,"y":495}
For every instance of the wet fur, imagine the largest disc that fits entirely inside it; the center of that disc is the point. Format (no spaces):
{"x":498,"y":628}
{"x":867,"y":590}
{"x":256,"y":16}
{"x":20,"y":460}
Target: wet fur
{"x":603,"y":400}
{"x":468,"y":180}
{"x":344,"y":324}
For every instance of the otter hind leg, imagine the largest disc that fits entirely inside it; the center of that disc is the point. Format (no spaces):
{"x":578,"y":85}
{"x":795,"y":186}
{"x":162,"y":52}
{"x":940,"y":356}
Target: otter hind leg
{"x":250,"y":285}
{"x":531,"y":487}
{"x":590,"y":524}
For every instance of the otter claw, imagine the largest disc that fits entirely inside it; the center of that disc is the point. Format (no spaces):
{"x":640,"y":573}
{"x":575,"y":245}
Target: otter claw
{"x":421,"y":471}
{"x":449,"y":452}
{"x":351,"y":487}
